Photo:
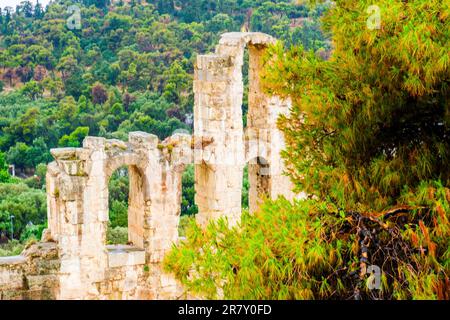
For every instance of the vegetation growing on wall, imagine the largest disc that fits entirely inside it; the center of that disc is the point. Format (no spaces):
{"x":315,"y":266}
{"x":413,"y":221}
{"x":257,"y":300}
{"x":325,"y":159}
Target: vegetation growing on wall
{"x":310,"y":250}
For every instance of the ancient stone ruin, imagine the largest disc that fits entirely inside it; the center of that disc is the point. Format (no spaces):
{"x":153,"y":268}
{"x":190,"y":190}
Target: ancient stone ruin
{"x":73,"y":260}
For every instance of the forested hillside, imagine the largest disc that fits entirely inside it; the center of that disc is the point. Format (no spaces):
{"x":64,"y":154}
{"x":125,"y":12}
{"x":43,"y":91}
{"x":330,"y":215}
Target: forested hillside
{"x":128,"y":66}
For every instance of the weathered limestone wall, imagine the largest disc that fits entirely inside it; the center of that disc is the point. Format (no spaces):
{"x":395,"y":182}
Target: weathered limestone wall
{"x":74,"y":262}
{"x":218,"y":169}
{"x":81,"y":177}
{"x":33,"y":275}
{"x":84,"y":266}
{"x":218,"y":88}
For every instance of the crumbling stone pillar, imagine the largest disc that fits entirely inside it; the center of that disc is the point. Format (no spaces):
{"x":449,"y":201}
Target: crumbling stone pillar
{"x":77,"y":184}
{"x":71,"y":221}
{"x":218,"y":89}
{"x":218,"y":92}
{"x":264,"y":141}
{"x":82,"y":265}
{"x":166,"y":165}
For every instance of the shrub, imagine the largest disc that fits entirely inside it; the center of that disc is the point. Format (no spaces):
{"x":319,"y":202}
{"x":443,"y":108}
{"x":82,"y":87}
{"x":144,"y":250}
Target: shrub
{"x":32,"y":232}
{"x":312,"y":250}
{"x":12,"y":248}
{"x":117,"y":235}
{"x":185,"y":221}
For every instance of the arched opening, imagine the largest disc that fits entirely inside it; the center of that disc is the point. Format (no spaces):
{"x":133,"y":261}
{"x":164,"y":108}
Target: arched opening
{"x":188,"y":206}
{"x":118,"y":187}
{"x":126,"y":206}
{"x":235,"y":121}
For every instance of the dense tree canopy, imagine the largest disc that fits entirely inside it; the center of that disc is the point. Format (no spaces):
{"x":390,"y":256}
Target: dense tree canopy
{"x":129,"y":67}
{"x":4,"y":174}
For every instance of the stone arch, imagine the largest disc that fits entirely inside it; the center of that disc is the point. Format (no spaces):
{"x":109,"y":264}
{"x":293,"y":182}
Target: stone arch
{"x":139,"y":193}
{"x":77,"y":181}
{"x":219,"y":88}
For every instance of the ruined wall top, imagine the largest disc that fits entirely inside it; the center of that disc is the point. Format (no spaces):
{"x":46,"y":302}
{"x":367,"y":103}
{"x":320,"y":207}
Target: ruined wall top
{"x":232,"y":41}
{"x":227,"y":60}
{"x":176,"y":149}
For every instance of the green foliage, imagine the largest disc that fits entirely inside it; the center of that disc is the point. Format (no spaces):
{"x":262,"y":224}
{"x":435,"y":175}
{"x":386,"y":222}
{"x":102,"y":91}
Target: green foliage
{"x":118,"y":213}
{"x":188,"y":206}
{"x":4,"y":173}
{"x":37,"y":181}
{"x":220,"y":23}
{"x":118,"y":198}
{"x":12,"y":248}
{"x":32,"y":232}
{"x":41,"y":172}
{"x":24,"y":156}
{"x":75,"y":139}
{"x":117,"y":235}
{"x":303,"y":251}
{"x":33,"y":90}
{"x":27,"y":205}
{"x":185,"y":222}
{"x":16,"y":154}
{"x":279,"y":253}
{"x":374,"y":117}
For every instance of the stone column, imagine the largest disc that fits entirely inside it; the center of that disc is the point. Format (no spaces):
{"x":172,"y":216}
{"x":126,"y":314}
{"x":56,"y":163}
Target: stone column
{"x":218,"y":92}
{"x":257,"y":134}
{"x":162,"y":195}
{"x":281,"y":184}
{"x":266,"y":166}
{"x":73,"y":224}
{"x":96,"y":216}
{"x":136,"y":206}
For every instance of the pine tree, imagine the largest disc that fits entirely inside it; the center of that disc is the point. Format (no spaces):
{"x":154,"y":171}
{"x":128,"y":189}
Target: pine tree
{"x":5,"y":28}
{"x":27,"y":9}
{"x":38,"y":10}
{"x":369,"y":128}
{"x":375,"y":118}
